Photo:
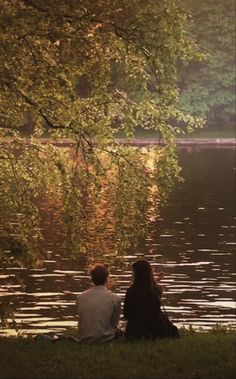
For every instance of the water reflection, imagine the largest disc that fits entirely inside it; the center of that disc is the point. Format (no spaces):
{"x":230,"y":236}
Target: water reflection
{"x":193,"y":242}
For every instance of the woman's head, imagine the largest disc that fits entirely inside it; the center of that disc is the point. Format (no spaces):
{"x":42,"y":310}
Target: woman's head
{"x":143,"y":274}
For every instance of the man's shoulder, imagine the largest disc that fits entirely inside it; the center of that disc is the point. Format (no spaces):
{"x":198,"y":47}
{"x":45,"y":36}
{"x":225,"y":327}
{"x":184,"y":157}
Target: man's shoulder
{"x":113,"y":295}
{"x":84,"y":293}
{"x":104,"y":293}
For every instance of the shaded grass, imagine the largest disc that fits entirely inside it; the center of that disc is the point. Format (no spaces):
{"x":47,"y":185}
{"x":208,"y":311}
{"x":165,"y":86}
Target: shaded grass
{"x":197,"y":356}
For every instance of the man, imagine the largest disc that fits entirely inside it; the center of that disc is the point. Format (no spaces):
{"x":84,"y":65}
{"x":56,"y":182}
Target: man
{"x":98,"y":308}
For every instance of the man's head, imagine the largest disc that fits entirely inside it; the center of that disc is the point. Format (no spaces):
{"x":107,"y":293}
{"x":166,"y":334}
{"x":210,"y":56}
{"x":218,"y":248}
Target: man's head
{"x":99,"y":274}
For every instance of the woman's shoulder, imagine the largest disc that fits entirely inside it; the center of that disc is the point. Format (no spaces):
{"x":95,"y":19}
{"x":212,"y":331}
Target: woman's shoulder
{"x":132,"y":289}
{"x":158,"y":289}
{"x":138,"y":291}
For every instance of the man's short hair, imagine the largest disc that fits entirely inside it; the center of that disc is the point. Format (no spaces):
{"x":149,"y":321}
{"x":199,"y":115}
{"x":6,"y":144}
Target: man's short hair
{"x":99,"y":274}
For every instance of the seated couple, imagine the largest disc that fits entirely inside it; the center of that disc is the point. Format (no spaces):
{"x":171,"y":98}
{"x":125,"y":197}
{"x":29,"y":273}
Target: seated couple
{"x":99,"y":308}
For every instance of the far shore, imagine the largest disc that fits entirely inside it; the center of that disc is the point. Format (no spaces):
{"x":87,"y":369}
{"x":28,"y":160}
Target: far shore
{"x":181,"y":142}
{"x":140,"y":142}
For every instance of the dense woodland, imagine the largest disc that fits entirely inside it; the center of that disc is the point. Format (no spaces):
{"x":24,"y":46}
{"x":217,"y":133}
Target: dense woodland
{"x":208,"y":86}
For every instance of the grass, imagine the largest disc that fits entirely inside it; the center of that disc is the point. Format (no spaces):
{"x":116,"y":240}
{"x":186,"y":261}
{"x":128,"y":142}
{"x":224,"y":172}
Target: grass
{"x":194,"y":356}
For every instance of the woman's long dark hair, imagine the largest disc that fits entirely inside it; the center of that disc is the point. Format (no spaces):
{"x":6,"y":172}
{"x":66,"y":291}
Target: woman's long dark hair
{"x":143,"y":277}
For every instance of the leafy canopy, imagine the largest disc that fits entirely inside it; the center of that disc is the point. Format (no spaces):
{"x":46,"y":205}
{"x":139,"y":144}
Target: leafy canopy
{"x":83,"y":70}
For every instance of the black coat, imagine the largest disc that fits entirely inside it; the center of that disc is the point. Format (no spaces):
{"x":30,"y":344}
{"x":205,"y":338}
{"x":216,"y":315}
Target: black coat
{"x":142,"y":310}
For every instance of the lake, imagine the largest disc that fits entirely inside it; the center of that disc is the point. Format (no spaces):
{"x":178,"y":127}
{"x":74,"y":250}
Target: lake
{"x":193,"y":241}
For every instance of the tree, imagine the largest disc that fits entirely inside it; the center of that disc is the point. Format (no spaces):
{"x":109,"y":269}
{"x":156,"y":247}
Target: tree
{"x":83,"y":70}
{"x":208,"y":85}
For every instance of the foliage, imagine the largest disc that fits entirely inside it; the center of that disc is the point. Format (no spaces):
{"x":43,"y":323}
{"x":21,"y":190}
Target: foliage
{"x":208,"y":85}
{"x":81,"y":71}
{"x":6,"y":313}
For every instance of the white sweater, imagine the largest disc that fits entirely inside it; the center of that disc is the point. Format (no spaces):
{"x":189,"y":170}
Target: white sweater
{"x":99,"y":312}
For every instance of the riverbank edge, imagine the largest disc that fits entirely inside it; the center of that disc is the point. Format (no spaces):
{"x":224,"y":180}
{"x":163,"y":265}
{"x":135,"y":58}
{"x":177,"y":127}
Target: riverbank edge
{"x":181,"y":142}
{"x":140,"y":142}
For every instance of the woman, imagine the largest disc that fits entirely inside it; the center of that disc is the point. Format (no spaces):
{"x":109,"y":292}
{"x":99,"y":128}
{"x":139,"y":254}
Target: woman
{"x":142,"y":306}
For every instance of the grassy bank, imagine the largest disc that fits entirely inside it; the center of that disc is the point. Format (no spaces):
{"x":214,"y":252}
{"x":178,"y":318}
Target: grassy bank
{"x":198,"y":356}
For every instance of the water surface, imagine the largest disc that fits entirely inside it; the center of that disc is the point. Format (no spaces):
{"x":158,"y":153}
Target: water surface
{"x":193,"y":241}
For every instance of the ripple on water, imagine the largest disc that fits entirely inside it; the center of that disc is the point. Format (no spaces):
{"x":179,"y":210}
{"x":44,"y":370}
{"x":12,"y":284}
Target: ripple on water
{"x":45,"y":275}
{"x":61,"y":302}
{"x":44,"y":294}
{"x":61,"y":323}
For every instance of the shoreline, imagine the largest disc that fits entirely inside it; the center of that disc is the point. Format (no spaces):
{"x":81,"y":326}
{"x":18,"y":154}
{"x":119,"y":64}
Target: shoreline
{"x":182,"y":142}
